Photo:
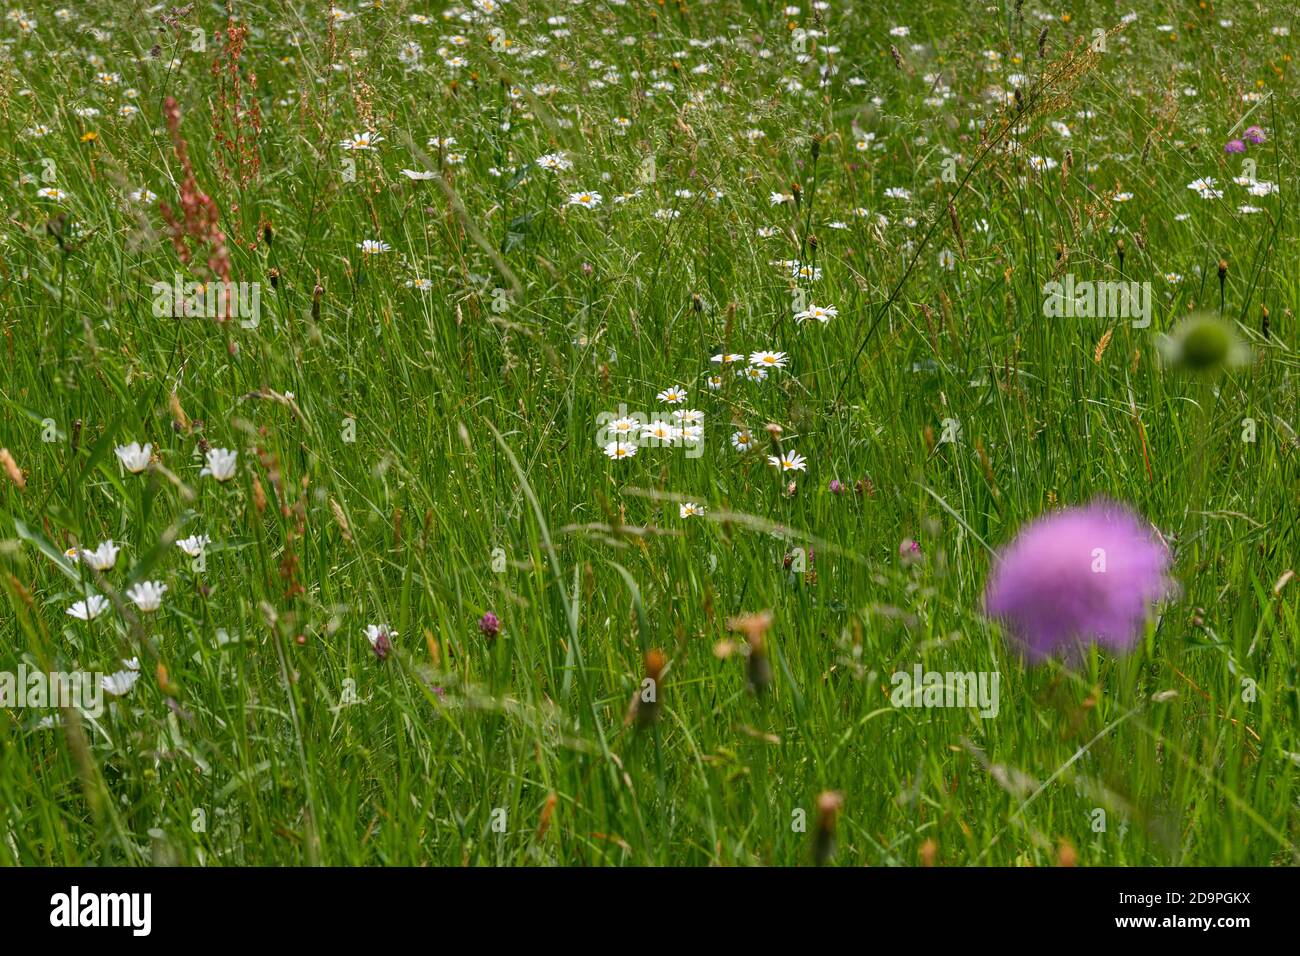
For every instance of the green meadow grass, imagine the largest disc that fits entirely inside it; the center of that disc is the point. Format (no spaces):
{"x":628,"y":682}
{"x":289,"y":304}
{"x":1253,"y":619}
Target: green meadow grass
{"x":415,"y":459}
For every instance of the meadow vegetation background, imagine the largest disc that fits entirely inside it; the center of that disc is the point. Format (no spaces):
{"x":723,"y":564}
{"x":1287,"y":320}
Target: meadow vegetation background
{"x":413,"y":619}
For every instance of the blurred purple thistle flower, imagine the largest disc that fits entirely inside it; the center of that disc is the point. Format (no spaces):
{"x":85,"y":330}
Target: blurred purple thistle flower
{"x":1078,"y":575}
{"x":1254,"y":134}
{"x":489,"y":625}
{"x":1234,"y":146}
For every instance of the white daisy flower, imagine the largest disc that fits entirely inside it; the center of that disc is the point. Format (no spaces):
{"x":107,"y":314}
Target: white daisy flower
{"x":194,"y":545}
{"x":618,"y":450}
{"x":659,"y":432}
{"x":147,"y":595}
{"x":102,"y":558}
{"x":554,"y":162}
{"x":789,"y":461}
{"x":587,"y":200}
{"x":623,"y":426}
{"x":90,"y":608}
{"x":121,"y":682}
{"x":768,"y":359}
{"x":822,"y":313}
{"x":361,"y":141}
{"x":742,"y":440}
{"x":134,"y":458}
{"x":220,"y":464}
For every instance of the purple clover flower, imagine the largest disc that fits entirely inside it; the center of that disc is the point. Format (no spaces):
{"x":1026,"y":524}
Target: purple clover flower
{"x":381,"y":640}
{"x":490,"y":625}
{"x":1083,"y":574}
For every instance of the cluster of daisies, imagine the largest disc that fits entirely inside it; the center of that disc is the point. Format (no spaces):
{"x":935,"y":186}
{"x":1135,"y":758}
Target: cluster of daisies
{"x":758,"y":367}
{"x":622,"y":437}
{"x":1207,"y":187}
{"x":685,"y":427}
{"x":147,"y":596}
{"x":219,"y":463}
